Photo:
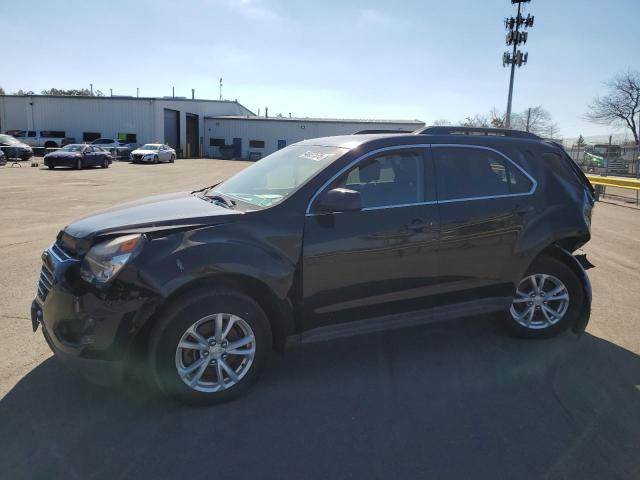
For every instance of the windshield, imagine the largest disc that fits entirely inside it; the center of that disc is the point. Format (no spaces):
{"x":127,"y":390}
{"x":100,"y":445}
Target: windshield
{"x":150,"y":146}
{"x":9,"y":140}
{"x":275,"y":177}
{"x":72,"y":148}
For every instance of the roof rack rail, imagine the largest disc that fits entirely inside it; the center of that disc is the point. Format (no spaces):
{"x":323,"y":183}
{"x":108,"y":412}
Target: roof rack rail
{"x":497,"y":132}
{"x":381,"y":130}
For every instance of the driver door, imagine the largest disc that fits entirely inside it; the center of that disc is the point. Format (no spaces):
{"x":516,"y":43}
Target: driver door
{"x":382,"y":259}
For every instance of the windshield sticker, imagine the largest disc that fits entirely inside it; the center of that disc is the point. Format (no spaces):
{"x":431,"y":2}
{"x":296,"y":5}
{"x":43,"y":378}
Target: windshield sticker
{"x":315,"y":156}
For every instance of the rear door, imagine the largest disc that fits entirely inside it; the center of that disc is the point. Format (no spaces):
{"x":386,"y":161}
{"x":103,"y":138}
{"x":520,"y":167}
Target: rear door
{"x":482,"y":199}
{"x":382,"y":259}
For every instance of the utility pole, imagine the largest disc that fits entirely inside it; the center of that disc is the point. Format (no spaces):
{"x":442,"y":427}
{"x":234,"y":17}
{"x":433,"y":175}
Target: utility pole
{"x":91,"y":87}
{"x":515,"y":58}
{"x":220,"y":88}
{"x":528,"y":119}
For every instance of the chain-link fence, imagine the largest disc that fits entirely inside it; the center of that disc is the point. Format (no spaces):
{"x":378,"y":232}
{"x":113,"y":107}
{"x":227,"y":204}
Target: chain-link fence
{"x":606,"y":159}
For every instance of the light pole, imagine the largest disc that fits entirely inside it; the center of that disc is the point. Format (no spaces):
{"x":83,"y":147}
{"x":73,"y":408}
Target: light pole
{"x":516,"y":38}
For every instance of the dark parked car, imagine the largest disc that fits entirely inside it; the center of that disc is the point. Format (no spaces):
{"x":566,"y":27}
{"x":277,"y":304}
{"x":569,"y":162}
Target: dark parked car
{"x":3,"y":159}
{"x":326,"y":238}
{"x":12,"y":148}
{"x":78,"y":156}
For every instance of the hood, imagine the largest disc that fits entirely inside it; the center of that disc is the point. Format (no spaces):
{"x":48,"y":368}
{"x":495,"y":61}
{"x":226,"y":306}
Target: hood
{"x":16,"y":145}
{"x":61,"y":154}
{"x":157,"y":213}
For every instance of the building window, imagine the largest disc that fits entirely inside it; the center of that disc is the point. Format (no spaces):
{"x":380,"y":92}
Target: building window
{"x":127,"y":137}
{"x":216,"y":142}
{"x":256,"y":143}
{"x":90,"y":136}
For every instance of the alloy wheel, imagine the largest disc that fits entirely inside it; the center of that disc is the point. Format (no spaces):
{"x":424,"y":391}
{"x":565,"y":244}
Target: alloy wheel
{"x":540,"y":301}
{"x":215,"y":353}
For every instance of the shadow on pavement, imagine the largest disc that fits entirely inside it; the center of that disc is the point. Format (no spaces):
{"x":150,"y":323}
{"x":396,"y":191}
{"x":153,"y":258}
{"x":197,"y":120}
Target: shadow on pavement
{"x":456,"y":400}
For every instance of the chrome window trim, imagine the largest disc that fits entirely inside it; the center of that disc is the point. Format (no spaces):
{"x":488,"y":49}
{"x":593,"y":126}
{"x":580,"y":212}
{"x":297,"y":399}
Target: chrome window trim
{"x":534,"y":183}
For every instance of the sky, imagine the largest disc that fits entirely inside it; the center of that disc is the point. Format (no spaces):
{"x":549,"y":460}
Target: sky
{"x":405,"y":59}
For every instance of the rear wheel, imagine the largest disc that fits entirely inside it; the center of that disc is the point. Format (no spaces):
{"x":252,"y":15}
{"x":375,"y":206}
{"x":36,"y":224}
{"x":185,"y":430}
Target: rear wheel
{"x":548,"y":300}
{"x":210,"y":346}
{"x":50,"y":167}
{"x":172,"y":159}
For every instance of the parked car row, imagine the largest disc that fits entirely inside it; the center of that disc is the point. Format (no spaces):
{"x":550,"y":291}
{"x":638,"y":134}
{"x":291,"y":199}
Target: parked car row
{"x":79,"y":156}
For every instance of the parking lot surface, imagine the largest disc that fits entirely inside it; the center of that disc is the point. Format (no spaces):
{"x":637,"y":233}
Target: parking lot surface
{"x":454,"y":400}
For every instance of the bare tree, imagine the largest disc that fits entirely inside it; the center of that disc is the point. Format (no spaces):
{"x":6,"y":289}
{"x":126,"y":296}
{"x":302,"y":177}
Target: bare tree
{"x":621,"y":105}
{"x":2,"y":91}
{"x":534,"y":119}
{"x":477,"y":120}
{"x":441,"y":122}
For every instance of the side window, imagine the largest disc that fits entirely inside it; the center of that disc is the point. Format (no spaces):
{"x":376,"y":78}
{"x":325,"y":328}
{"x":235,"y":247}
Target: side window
{"x":32,"y":134}
{"x":473,"y":172}
{"x":389,"y":179}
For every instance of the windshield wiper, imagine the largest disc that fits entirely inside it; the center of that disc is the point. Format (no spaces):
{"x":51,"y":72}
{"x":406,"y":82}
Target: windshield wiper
{"x":206,"y":189}
{"x":219,"y":199}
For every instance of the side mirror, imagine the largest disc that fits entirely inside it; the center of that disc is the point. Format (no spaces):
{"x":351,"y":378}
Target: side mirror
{"x":339,"y":200}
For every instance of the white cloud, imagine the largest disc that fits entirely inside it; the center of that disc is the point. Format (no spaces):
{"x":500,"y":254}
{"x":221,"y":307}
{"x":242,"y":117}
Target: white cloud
{"x":371,"y":17}
{"x":258,"y":10}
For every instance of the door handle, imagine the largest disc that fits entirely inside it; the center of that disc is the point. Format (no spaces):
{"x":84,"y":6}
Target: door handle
{"x":418,"y":225}
{"x":523,"y":209}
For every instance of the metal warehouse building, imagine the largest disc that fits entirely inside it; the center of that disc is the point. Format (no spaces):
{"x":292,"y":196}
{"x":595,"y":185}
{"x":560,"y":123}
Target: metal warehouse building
{"x":175,"y":121}
{"x":193,"y":127}
{"x":255,"y":137}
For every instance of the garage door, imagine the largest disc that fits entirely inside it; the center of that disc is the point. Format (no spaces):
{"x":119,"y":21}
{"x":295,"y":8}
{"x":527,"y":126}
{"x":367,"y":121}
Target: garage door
{"x":172,"y":128}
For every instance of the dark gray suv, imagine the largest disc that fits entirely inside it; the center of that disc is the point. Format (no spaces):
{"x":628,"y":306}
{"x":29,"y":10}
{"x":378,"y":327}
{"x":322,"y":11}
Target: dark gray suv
{"x":328,"y":237}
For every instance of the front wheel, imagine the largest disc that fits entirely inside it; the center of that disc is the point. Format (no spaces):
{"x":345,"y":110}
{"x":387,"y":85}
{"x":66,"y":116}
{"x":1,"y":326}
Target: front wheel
{"x":548,"y":300}
{"x":79,"y":164}
{"x":155,"y":159}
{"x":172,"y":159}
{"x":50,"y":167}
{"x":210,"y":346}
{"x":105,"y":163}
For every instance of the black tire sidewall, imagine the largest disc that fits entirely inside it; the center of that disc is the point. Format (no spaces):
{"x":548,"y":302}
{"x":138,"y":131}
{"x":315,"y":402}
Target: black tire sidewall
{"x":184,"y":313}
{"x":559,"y":269}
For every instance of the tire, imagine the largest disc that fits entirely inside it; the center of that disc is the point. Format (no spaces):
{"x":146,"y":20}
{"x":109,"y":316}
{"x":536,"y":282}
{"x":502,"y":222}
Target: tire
{"x":543,"y":323}
{"x":50,"y":145}
{"x":155,"y":160}
{"x":105,"y":163}
{"x":50,"y":167}
{"x":202,"y":307}
{"x":79,"y":164}
{"x":172,"y":159}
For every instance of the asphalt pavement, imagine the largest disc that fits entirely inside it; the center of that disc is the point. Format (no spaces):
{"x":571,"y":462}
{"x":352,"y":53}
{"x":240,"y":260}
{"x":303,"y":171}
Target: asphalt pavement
{"x":452,"y":400}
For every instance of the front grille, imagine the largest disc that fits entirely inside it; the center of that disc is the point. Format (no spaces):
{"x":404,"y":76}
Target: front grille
{"x":137,"y":156}
{"x":45,"y":283}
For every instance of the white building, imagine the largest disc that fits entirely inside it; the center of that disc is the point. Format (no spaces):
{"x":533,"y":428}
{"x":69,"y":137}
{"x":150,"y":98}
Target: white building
{"x":194,"y":127}
{"x":255,"y":137}
{"x":176,"y":121}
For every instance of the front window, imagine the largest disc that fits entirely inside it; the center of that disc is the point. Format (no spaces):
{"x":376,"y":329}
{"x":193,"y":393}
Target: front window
{"x":150,"y":146}
{"x":72,"y":148}
{"x":278,"y":175}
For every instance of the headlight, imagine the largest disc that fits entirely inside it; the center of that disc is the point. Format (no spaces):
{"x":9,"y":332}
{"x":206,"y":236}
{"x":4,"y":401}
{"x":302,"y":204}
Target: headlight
{"x":106,"y":259}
